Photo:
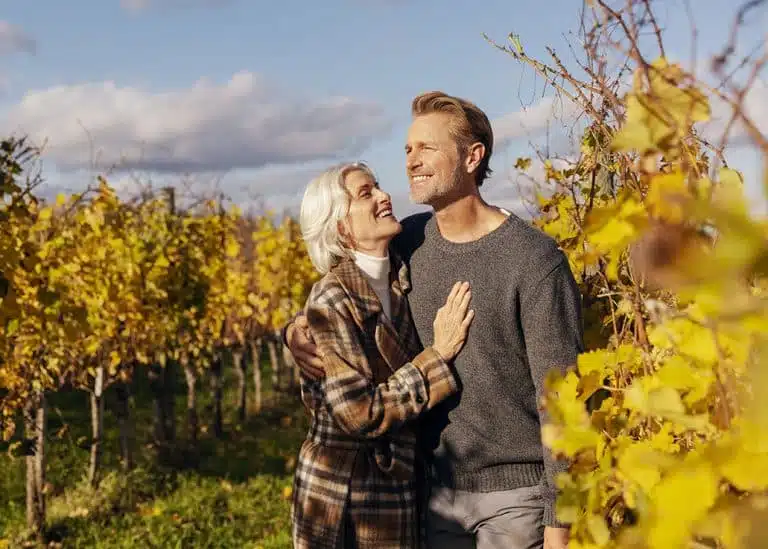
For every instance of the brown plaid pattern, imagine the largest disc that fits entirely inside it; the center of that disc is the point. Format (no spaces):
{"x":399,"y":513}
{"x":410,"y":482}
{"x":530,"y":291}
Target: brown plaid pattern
{"x":356,"y":478}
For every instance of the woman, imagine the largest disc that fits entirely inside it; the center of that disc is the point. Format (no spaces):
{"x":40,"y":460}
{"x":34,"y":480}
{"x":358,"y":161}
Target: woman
{"x":356,"y":478}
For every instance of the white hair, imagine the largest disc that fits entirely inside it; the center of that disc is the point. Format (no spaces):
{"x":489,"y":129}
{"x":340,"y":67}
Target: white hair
{"x":324,"y":205}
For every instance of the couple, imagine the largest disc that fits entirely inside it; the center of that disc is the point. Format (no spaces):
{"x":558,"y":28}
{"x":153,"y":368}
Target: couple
{"x":424,"y":349}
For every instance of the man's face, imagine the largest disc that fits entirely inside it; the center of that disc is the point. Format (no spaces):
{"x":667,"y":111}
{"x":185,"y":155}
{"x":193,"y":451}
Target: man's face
{"x":433,"y":160}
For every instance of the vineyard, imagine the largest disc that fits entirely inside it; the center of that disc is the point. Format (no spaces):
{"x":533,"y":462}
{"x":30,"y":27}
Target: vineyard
{"x":99,"y":293}
{"x":154,"y":310}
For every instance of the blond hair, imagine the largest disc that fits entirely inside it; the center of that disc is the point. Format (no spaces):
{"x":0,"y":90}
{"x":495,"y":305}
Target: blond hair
{"x":469,"y":124}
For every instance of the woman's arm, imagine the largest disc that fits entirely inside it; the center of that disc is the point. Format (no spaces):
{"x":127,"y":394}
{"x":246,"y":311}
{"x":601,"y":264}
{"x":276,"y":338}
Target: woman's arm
{"x":358,"y":405}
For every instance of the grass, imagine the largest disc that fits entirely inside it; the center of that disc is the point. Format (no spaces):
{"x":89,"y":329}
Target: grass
{"x":230,"y":493}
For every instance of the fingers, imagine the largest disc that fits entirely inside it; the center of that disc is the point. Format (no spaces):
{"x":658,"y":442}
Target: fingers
{"x":465,"y":297}
{"x":310,"y":364}
{"x":303,"y":340}
{"x":306,"y":347}
{"x":313,"y":373}
{"x":467,"y":321}
{"x":457,"y":294}
{"x":301,"y":322}
{"x":452,"y":294}
{"x":305,"y":352}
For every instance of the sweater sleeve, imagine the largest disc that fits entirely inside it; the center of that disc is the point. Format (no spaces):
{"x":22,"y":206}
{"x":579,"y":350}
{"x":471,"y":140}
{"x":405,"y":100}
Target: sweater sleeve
{"x":553,"y":331}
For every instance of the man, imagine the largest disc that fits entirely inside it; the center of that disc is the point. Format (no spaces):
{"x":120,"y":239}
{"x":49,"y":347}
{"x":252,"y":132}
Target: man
{"x":491,"y":480}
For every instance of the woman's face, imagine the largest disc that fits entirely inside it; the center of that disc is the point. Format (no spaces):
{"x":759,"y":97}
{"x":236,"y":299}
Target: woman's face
{"x":370,"y":224}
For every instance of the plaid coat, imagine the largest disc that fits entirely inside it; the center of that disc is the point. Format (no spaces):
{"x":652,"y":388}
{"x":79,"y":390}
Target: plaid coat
{"x":356,"y":483}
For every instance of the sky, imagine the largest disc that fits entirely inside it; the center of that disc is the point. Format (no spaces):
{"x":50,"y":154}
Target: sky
{"x":254,"y":98}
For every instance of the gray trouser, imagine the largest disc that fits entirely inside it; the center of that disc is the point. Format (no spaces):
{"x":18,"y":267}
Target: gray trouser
{"x":509,"y":519}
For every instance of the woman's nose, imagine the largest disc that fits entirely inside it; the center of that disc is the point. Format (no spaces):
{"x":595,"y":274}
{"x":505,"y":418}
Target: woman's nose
{"x":383,"y":196}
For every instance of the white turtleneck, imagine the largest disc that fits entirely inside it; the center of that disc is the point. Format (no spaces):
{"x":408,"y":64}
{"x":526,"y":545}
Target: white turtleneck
{"x":376,"y":270}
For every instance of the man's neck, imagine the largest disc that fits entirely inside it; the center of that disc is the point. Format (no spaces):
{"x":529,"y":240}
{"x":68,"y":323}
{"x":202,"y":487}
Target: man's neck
{"x":467,"y":219}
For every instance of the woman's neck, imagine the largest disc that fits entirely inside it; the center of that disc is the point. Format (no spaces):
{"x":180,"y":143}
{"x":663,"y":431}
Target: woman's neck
{"x":377,"y":268}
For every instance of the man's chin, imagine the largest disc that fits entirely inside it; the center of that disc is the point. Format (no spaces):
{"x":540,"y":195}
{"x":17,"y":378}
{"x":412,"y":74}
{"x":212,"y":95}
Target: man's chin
{"x":420,"y":199}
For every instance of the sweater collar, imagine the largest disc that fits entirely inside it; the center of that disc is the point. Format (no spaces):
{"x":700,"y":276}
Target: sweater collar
{"x":360,"y":291}
{"x":376,"y":268}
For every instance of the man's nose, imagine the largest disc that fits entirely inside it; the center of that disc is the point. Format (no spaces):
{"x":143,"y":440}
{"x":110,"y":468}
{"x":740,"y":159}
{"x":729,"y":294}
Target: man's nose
{"x":412,"y":161}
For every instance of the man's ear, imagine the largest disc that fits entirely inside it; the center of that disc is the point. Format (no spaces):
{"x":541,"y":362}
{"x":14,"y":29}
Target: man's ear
{"x":475,"y":155}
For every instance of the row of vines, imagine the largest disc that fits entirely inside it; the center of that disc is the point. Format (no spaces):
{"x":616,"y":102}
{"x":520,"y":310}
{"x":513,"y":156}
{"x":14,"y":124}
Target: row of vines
{"x":95,"y":290}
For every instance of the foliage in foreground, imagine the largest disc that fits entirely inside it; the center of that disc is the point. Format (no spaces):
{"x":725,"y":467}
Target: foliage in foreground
{"x":664,"y":419}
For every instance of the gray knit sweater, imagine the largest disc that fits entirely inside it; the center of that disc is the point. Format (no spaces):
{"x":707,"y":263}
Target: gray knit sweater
{"x":527,"y":321}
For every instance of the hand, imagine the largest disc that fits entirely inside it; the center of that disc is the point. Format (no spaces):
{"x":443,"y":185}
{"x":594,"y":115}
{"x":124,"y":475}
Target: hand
{"x":303,"y":349}
{"x":452,"y":322}
{"x":556,"y":538}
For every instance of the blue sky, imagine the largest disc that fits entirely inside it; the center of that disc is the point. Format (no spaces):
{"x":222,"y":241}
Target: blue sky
{"x":255,"y":97}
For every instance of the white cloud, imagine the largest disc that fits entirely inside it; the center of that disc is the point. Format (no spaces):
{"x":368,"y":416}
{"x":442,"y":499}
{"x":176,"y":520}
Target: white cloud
{"x":276,"y":188}
{"x":504,"y":193}
{"x":242,"y":124}
{"x":529,"y":121}
{"x":755,"y":106}
{"x":15,"y":40}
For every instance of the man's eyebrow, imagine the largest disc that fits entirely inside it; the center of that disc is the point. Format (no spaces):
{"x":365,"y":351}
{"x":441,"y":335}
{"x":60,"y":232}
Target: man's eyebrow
{"x":419,"y":143}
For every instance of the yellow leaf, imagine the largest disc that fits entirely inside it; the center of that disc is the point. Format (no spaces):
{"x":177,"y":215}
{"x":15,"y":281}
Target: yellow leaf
{"x":571,"y":440}
{"x":636,"y":133}
{"x":617,"y":233}
{"x":598,"y":529}
{"x":589,"y":384}
{"x":661,"y":112}
{"x":689,"y":338}
{"x":666,"y":194}
{"x":639,"y":463}
{"x":745,"y":469}
{"x":232,"y":248}
{"x":660,"y":401}
{"x":162,"y":262}
{"x":523,"y":164}
{"x":686,"y":495}
{"x":729,"y":192}
{"x":595,"y":361}
{"x":677,"y":372}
